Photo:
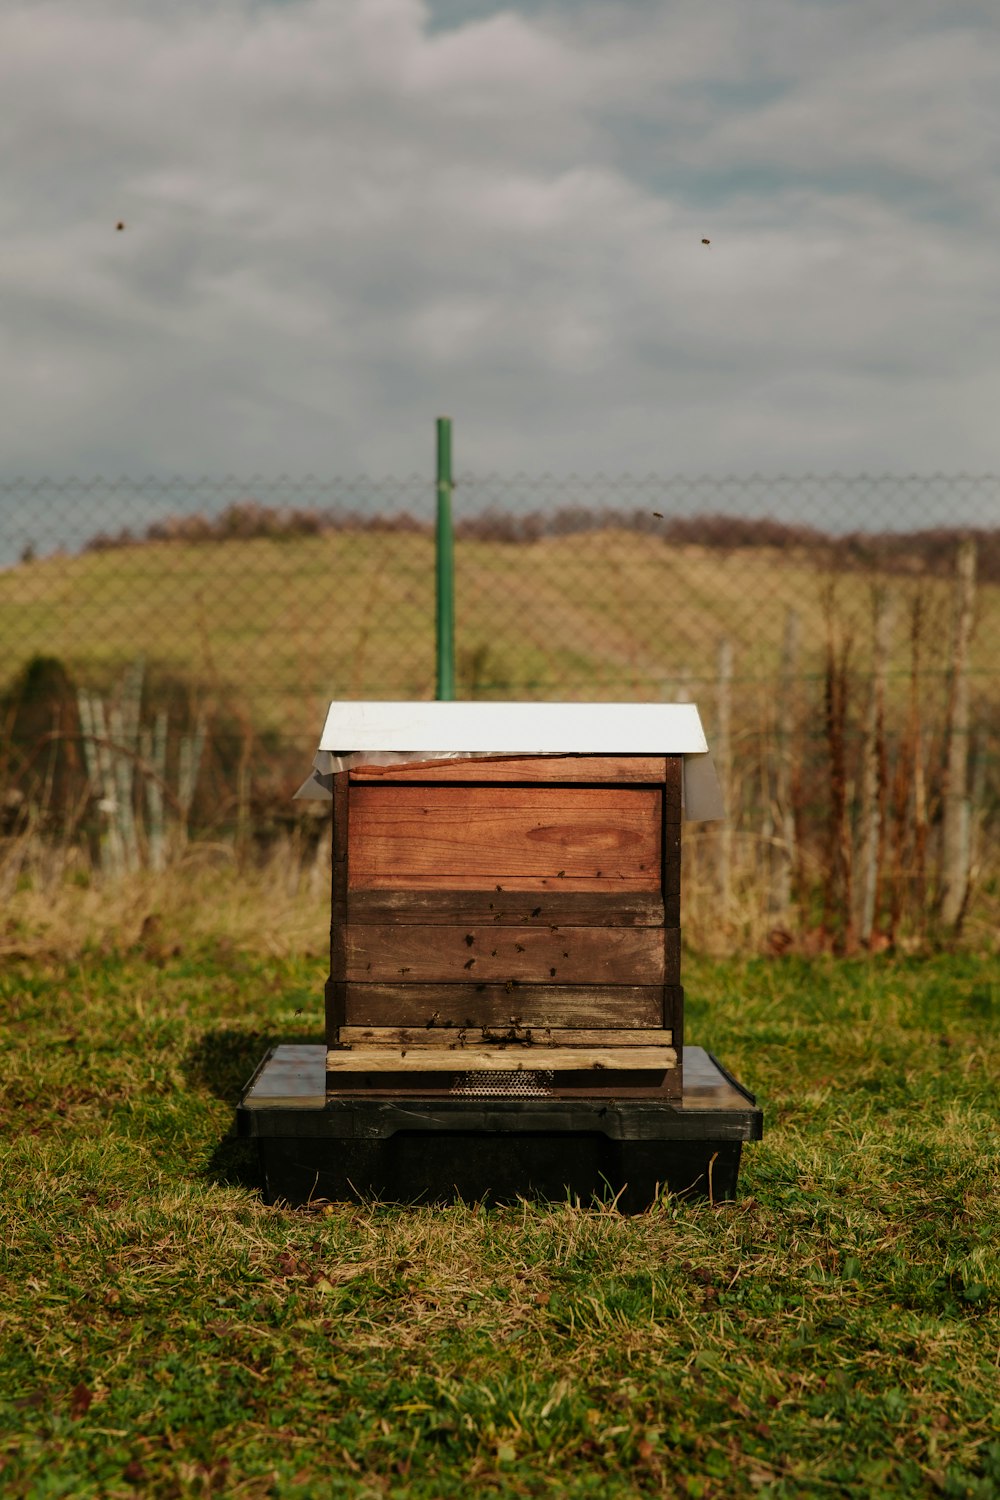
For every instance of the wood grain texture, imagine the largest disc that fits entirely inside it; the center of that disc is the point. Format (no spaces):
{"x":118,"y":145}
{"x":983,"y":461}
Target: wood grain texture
{"x":471,"y":954}
{"x":532,"y":1040}
{"x":672,"y":847}
{"x":405,"y":835}
{"x":670,"y":887}
{"x":443,"y":1005}
{"x":529,"y":768}
{"x":496,"y":1059}
{"x":335,"y":994}
{"x":673,"y":810}
{"x":526,"y":885}
{"x":671,"y":955}
{"x":335,"y":1009}
{"x":507,"y":895}
{"x":554,"y":907}
{"x":673,"y":1014}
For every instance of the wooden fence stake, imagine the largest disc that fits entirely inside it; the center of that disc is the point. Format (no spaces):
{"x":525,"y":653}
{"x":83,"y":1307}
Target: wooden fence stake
{"x":783,"y":846}
{"x":874,"y":777}
{"x":955,"y":833}
{"x":724,"y":763}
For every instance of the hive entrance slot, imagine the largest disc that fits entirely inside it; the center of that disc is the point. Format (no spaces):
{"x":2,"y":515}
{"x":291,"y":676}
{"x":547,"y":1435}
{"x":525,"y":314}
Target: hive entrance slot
{"x":523,"y":1084}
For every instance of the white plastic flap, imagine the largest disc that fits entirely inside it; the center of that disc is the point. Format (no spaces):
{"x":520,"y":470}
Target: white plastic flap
{"x":702,"y":793}
{"x":515,"y":728}
{"x":385,"y":734}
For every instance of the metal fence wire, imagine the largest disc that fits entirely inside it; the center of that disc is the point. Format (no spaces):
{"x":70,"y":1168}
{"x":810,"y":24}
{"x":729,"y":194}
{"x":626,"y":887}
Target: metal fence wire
{"x":179,"y":640}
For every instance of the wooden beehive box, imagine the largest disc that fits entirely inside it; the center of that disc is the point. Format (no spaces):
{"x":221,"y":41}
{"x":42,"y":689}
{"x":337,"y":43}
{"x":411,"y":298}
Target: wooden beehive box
{"x":506,"y":894}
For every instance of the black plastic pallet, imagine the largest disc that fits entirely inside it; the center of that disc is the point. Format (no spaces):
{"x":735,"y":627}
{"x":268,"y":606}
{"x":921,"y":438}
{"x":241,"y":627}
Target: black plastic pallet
{"x":410,"y":1150}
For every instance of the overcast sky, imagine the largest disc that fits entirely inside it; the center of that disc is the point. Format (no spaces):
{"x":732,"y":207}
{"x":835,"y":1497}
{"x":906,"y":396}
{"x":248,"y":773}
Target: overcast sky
{"x":343,"y":217}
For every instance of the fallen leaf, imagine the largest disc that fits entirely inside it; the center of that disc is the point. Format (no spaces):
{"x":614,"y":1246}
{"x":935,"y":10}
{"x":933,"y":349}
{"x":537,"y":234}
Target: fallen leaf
{"x":80,"y":1401}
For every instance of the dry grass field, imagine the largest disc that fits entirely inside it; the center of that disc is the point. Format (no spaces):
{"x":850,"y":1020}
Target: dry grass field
{"x":284,"y":625}
{"x":249,"y":639}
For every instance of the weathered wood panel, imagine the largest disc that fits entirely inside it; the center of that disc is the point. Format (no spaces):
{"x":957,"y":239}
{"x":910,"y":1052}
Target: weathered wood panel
{"x":671,"y":955}
{"x":335,"y":995}
{"x":673,"y":1013}
{"x":554,"y":907}
{"x":432,"y":1005}
{"x":673,"y":781}
{"x":539,"y":1038}
{"x":535,"y":768}
{"x":496,"y":1059}
{"x":406,"y":835}
{"x":470,"y":954}
{"x":507,"y":895}
{"x":671,"y":868}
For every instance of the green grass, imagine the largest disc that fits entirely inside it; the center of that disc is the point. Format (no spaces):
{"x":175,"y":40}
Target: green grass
{"x":833,"y":1331}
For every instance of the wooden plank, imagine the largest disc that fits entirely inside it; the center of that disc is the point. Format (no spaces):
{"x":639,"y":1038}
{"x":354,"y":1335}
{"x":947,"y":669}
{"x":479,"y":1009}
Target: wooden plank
{"x":499,"y":1005}
{"x":537,"y":1038}
{"x":672,"y":847}
{"x":606,"y":1084}
{"x":673,"y":810}
{"x":495,"y":1059}
{"x":554,"y":907}
{"x":335,"y":993}
{"x":335,"y":1007}
{"x":497,"y":833}
{"x":525,"y":884}
{"x":673,"y":1014}
{"x":471,"y":954}
{"x":670,"y":885}
{"x":531,"y":768}
{"x":672,"y":955}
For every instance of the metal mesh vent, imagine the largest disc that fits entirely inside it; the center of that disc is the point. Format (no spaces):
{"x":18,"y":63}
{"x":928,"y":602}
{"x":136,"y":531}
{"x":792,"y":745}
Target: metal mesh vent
{"x":521,"y":1083}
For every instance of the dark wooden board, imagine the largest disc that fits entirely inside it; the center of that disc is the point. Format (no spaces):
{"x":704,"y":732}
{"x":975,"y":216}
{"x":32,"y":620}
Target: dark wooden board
{"x":472,"y":954}
{"x":533,"y":768}
{"x":335,"y":1014}
{"x":670,"y":887}
{"x":672,"y":955}
{"x":555,"y":907}
{"x":610,"y":1084}
{"x":673,"y":779}
{"x":444,"y":1005}
{"x":673,"y":1014}
{"x":411,"y":835}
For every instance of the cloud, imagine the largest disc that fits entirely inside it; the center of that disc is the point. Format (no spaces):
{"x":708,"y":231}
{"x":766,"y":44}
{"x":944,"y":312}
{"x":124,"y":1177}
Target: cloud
{"x":342,"y":218}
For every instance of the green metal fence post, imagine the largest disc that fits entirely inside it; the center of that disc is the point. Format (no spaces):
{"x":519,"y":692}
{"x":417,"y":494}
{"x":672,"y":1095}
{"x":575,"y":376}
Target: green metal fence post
{"x":445,"y":566}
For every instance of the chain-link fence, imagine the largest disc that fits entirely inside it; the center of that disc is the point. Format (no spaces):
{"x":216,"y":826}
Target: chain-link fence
{"x":841,"y":636}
